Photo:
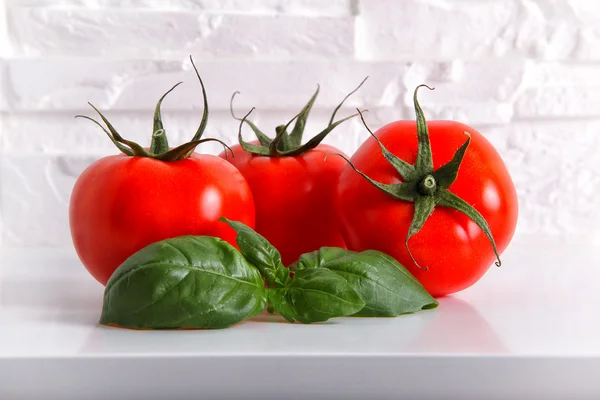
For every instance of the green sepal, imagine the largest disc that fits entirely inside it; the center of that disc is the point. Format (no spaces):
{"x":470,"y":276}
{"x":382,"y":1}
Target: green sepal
{"x":124,"y":149}
{"x":424,"y":162}
{"x":181,"y":152}
{"x":424,"y":206}
{"x":406,"y":171}
{"x":402,"y":191}
{"x":346,"y":98}
{"x":136,"y":148}
{"x":447,"y":173}
{"x":249,"y":147}
{"x":204,"y":120}
{"x":160,"y":143}
{"x":281,"y":131}
{"x":445,"y":198}
{"x":262,"y":138}
{"x":298,"y":131}
{"x":159,"y":147}
{"x":316,"y":140}
{"x":287,"y":144}
{"x":286,"y":141}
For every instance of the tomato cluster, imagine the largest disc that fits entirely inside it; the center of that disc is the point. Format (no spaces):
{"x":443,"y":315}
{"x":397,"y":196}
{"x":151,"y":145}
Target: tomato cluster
{"x":434,"y":195}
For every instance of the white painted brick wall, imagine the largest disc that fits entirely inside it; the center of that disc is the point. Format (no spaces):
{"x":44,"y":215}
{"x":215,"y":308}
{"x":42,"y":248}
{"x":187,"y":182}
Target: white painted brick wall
{"x":526,"y":73}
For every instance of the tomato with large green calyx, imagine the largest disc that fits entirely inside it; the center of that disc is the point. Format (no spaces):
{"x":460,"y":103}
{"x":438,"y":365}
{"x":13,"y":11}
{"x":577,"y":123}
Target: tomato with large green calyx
{"x":434,"y":195}
{"x":122,"y":203}
{"x":294,"y":190}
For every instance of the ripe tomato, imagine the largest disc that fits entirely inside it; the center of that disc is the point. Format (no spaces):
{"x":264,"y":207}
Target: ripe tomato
{"x":293,"y":188}
{"x":450,"y":249}
{"x":122,"y":203}
{"x":294,"y":199}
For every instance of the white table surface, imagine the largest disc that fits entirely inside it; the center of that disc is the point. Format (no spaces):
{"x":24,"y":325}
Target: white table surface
{"x":527,"y":330}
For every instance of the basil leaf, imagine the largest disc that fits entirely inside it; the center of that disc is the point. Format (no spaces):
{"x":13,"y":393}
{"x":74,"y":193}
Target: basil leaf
{"x":278,"y":303}
{"x":320,"y":258}
{"x":314,"y":295}
{"x":386,"y":287}
{"x":261,"y":253}
{"x":185,"y":282}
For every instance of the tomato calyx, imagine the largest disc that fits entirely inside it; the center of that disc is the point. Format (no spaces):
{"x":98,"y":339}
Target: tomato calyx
{"x":424,"y":186}
{"x":289,"y":144}
{"x":428,"y":185}
{"x":159,"y":146}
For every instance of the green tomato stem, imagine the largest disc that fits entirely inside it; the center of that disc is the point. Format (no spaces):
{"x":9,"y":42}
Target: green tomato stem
{"x":428,"y":185}
{"x":160,"y":143}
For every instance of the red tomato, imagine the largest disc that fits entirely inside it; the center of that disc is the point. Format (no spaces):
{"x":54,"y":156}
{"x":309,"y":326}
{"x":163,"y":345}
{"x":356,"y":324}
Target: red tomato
{"x":121,"y":204}
{"x":292,"y":184}
{"x":294,"y":199}
{"x":455,"y":250}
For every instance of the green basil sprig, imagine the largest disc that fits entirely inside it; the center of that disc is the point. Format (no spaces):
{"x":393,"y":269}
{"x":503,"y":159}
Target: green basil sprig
{"x":330,"y":282}
{"x":204,"y":282}
{"x":185,"y":282}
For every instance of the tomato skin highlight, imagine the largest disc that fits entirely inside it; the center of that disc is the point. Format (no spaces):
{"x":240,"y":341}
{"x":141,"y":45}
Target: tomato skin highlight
{"x":454,"y":249}
{"x":294,"y":198}
{"x":121,"y":204}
